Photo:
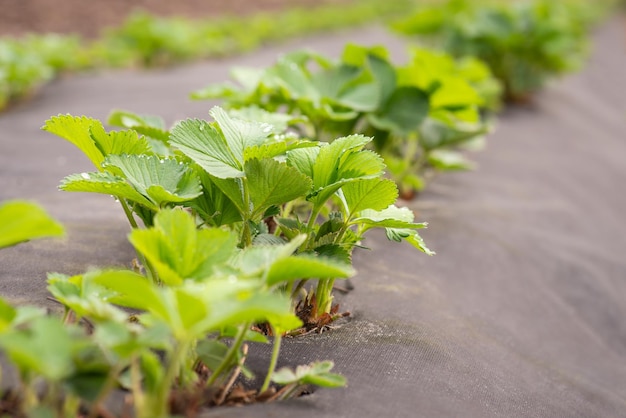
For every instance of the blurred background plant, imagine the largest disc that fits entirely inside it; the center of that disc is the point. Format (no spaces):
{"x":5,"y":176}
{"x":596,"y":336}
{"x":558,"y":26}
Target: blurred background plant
{"x":147,"y":40}
{"x":524,"y":43}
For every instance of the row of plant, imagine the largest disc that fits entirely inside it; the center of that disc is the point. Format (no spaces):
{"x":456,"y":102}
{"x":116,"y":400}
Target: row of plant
{"x":524,"y":43}
{"x":239,"y":217}
{"x":144,"y":40}
{"x":420,"y":114}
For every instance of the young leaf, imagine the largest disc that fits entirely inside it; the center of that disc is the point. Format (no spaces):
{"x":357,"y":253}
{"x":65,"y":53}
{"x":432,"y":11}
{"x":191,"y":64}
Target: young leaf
{"x":306,"y":267}
{"x":240,"y":134}
{"x":118,"y":142}
{"x":205,"y":145}
{"x":179,"y":251}
{"x":152,"y":126}
{"x":215,"y":207}
{"x":133,"y":291}
{"x":317,"y":373}
{"x":82,"y":296}
{"x":391,"y":217}
{"x":326,"y":166}
{"x":22,"y":221}
{"x":161,"y":180}
{"x":273,"y":183}
{"x":105,"y":183}
{"x":375,"y":194}
{"x":76,"y":129}
{"x":411,"y":236}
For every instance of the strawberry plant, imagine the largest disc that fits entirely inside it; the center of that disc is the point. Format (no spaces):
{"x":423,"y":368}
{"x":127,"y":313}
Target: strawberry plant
{"x":416,"y":115}
{"x":265,"y":186}
{"x":523,"y":43}
{"x":175,"y":344}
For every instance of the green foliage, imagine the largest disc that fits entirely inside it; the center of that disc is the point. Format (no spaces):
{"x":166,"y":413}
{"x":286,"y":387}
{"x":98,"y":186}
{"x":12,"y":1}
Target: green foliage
{"x":416,"y":113}
{"x":524,"y":43}
{"x":317,"y":374}
{"x":239,"y":215}
{"x":22,"y":221}
{"x":241,"y":175}
{"x":144,"y":40}
{"x":27,"y":63}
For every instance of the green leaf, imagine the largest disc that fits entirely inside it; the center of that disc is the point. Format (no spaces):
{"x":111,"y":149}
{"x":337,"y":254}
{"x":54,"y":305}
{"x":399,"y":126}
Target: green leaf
{"x":357,"y":55}
{"x":45,"y":346}
{"x":213,"y":205}
{"x":76,"y":129}
{"x":256,"y":260}
{"x":375,"y":194}
{"x":152,"y":126}
{"x":273,"y":183}
{"x":86,"y":299}
{"x":448,"y":160}
{"x":133,"y":291}
{"x":391,"y":217}
{"x":212,"y":353}
{"x":273,"y":308}
{"x":225,"y":90}
{"x":179,"y":251}
{"x":336,"y":164}
{"x":240,"y":134}
{"x":250,"y":335}
{"x":411,"y":236}
{"x":105,"y":183}
{"x":162,"y":180}
{"x":404,"y":112}
{"x":317,"y":373}
{"x":306,"y":267}
{"x":205,"y":145}
{"x":118,"y":142}
{"x":303,"y":159}
{"x":22,"y":221}
{"x":192,"y":309}
{"x":293,"y":80}
{"x":384,"y":75}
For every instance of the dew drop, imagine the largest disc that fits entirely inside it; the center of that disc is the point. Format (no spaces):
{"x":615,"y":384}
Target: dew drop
{"x":85,"y":176}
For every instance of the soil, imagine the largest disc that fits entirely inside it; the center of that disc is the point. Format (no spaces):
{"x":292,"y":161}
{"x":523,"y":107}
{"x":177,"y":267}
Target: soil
{"x":90,"y":17}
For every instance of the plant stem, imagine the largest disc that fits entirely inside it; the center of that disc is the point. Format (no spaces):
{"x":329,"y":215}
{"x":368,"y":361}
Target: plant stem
{"x":106,"y":389}
{"x":246,"y":233}
{"x":149,"y":269}
{"x":71,"y":405}
{"x":136,"y":389}
{"x":324,"y":295}
{"x":165,"y":386}
{"x":275,"y":351}
{"x":229,"y":355}
{"x":233,"y":377}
